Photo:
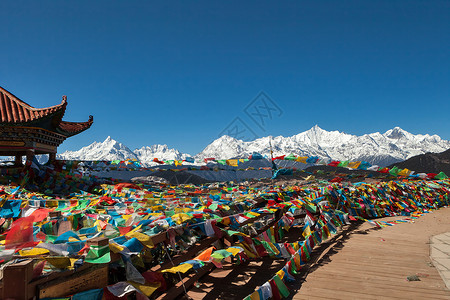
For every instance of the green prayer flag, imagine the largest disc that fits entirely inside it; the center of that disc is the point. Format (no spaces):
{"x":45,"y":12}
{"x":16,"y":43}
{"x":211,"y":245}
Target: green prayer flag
{"x":293,"y":267}
{"x":310,"y":208}
{"x":269,"y":249}
{"x":343,"y":164}
{"x":441,"y":176}
{"x":280,"y":232}
{"x":98,"y":255}
{"x":282,"y":288}
{"x":394,"y":171}
{"x":170,"y":213}
{"x":290,"y":157}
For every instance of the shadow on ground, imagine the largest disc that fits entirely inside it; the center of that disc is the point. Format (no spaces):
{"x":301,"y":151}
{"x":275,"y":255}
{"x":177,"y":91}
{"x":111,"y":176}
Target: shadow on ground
{"x":238,"y":281}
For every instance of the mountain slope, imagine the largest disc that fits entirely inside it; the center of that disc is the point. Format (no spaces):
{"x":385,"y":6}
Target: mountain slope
{"x":428,"y":163}
{"x":109,"y":149}
{"x":382,"y":149}
{"x":146,"y":154}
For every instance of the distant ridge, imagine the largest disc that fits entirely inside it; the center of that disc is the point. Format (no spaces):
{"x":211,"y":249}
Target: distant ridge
{"x":428,"y":163}
{"x":381,"y":149}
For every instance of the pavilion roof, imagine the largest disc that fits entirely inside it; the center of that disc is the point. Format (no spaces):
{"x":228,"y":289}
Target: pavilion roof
{"x":14,"y":111}
{"x":72,"y":128}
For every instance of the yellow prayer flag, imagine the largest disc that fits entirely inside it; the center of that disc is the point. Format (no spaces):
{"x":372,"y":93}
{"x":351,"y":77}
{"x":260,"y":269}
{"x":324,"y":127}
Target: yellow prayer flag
{"x":60,"y":262}
{"x":143,"y":238}
{"x":306,"y":232}
{"x":232,"y":162}
{"x":404,"y":172}
{"x":274,"y":249}
{"x":180,"y":268}
{"x":247,"y":251}
{"x":114,"y":247}
{"x":354,"y":164}
{"x":233,"y":251}
{"x":297,"y":260}
{"x":280,"y":273}
{"x":254,"y":213}
{"x":33,"y":252}
{"x":302,"y":159}
{"x":146,"y":289}
{"x":255,"y":296}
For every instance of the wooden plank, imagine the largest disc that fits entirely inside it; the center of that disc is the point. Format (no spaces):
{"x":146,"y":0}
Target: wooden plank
{"x":92,"y":278}
{"x":348,"y":278}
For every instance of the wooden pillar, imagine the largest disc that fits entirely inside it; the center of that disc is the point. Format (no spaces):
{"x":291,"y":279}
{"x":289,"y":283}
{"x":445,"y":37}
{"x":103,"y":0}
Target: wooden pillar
{"x":51,"y":157}
{"x":18,"y":160}
{"x":30,"y":155}
{"x":16,"y":278}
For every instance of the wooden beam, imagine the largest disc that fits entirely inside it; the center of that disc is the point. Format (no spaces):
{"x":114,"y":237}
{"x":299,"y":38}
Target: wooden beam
{"x":93,"y":278}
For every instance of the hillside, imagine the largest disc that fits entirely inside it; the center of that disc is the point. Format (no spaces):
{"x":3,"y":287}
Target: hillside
{"x":427,"y":163}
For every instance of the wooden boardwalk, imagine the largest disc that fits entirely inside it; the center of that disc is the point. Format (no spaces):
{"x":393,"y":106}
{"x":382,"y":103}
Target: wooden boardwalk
{"x":361,"y":263}
{"x":374,"y":264}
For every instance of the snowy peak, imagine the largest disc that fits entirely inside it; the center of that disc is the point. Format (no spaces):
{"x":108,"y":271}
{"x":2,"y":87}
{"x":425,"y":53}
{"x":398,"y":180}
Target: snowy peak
{"x":146,"y":154}
{"x":383,"y":149}
{"x":223,"y":148}
{"x":396,"y":133}
{"x":109,"y":149}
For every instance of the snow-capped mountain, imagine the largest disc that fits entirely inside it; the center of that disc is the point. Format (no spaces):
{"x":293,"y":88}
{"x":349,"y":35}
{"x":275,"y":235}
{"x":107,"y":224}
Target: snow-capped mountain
{"x":376,"y":148}
{"x":146,"y":154}
{"x":382,"y":149}
{"x":109,"y":149}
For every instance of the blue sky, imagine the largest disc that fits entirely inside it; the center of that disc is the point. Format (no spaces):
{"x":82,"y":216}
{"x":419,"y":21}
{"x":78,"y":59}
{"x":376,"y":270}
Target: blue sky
{"x":179,"y":72}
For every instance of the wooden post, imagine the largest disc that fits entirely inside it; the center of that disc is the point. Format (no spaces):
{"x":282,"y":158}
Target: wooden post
{"x":98,"y":241}
{"x":18,"y":160}
{"x":54,"y":214}
{"x":15,"y":280}
{"x":30,"y":155}
{"x":51,"y":157}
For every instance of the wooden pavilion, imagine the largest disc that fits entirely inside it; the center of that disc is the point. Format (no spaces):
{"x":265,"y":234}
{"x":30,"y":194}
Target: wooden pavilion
{"x":25,"y":130}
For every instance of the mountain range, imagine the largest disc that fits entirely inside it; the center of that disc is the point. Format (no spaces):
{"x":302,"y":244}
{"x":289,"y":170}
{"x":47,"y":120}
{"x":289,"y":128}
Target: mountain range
{"x":111,"y":149}
{"x":382,"y":149}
